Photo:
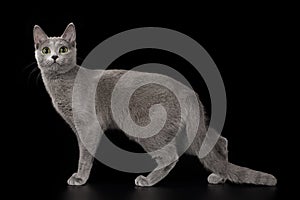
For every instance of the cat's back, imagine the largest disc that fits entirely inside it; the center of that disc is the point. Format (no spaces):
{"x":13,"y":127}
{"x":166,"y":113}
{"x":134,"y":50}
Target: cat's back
{"x":141,"y":87}
{"x":124,"y":80}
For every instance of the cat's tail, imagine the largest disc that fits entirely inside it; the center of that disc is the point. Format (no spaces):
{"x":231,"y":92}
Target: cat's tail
{"x":217,"y":162}
{"x":238,"y":174}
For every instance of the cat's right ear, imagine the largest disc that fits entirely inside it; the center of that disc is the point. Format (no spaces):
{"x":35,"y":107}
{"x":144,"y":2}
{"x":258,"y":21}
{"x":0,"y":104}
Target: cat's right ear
{"x":39,"y":36}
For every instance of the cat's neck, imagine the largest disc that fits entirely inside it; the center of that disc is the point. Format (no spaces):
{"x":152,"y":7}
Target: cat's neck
{"x":70,"y":74}
{"x":62,"y":83}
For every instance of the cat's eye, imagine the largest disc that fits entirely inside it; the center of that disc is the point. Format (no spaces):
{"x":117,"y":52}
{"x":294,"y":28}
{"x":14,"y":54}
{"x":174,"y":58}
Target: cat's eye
{"x":46,"y":50}
{"x":63,"y":49}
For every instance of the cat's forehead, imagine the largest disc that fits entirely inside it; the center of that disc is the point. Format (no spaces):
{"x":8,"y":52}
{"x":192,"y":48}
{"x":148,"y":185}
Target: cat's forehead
{"x":55,"y":41}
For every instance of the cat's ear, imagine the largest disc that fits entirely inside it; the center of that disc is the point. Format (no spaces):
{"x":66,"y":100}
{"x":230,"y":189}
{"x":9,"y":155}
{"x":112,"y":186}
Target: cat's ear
{"x":39,"y":36}
{"x":70,"y":33}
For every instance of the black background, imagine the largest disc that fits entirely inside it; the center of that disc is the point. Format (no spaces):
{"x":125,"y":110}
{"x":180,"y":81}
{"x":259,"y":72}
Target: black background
{"x":249,"y":48}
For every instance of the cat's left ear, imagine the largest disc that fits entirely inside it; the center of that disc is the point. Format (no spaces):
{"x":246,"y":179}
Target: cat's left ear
{"x":70,"y":34}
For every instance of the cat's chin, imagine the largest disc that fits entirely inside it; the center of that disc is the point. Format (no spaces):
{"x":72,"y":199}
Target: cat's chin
{"x":50,"y":68}
{"x":54,"y":68}
{"x":55,"y":65}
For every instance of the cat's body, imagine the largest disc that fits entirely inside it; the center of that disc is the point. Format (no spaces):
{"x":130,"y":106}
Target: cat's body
{"x":57,"y":60}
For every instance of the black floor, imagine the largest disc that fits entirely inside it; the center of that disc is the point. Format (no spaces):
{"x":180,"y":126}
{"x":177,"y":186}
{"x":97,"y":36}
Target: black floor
{"x":188,"y":191}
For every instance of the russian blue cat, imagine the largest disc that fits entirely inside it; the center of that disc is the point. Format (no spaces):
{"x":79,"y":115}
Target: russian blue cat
{"x":56,"y":58}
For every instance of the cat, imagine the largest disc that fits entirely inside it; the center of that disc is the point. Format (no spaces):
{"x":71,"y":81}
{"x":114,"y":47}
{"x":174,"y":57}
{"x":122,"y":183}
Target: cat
{"x":56,"y":58}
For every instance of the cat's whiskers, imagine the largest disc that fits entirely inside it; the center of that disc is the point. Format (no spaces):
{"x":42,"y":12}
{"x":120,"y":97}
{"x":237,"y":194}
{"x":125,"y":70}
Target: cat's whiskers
{"x":37,"y":78}
{"x":31,"y":74}
{"x":80,"y":60}
{"x":28,"y":66}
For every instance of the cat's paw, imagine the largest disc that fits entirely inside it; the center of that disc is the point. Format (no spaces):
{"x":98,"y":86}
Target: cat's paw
{"x":142,"y":181}
{"x":215,"y":179}
{"x":75,"y":179}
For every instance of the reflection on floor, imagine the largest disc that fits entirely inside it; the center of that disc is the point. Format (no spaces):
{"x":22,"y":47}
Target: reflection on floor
{"x":168,"y":191}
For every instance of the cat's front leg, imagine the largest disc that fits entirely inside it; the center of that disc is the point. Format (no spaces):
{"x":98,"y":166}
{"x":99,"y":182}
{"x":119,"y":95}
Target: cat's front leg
{"x":88,"y":135}
{"x":85,"y":164}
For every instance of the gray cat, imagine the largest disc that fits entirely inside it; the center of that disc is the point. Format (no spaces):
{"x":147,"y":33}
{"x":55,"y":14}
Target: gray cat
{"x":56,"y":58}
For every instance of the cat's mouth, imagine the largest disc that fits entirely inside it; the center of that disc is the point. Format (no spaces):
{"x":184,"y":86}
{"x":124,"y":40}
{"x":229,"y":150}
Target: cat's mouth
{"x":54,"y":64}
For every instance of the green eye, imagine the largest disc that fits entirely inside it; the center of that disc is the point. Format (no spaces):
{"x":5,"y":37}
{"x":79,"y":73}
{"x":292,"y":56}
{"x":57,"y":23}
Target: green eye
{"x":63,"y":49}
{"x":46,"y":50}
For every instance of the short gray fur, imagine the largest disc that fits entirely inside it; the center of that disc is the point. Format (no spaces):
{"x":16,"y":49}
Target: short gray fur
{"x":59,"y":77}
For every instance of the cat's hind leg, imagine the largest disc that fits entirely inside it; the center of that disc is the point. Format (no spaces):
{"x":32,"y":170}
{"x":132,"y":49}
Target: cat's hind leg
{"x":222,"y":149}
{"x":166,"y":160}
{"x":215,"y":178}
{"x":217,"y":161}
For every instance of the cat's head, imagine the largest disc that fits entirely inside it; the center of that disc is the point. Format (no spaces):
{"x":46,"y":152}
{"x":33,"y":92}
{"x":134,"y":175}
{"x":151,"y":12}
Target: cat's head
{"x":55,"y":54}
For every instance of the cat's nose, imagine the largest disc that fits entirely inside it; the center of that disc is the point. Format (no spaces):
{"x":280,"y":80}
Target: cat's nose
{"x":54,"y":57}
